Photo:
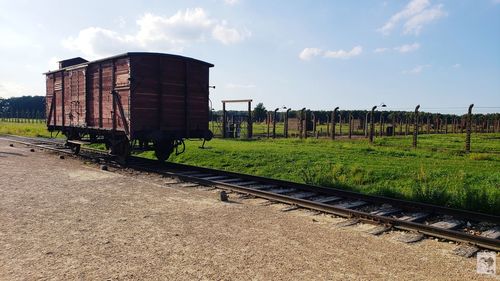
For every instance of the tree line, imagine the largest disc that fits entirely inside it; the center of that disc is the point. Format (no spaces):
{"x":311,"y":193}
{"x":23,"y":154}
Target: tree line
{"x":23,"y":107}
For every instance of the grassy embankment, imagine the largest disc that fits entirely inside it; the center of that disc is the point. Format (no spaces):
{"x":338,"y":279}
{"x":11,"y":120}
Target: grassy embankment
{"x":438,"y":172}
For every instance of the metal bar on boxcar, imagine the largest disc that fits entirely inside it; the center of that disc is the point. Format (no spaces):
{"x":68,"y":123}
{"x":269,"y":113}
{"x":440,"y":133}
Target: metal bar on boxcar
{"x":186,"y":105}
{"x":51,"y":109}
{"x":54,"y":97}
{"x":100,"y":96}
{"x":160,"y":93}
{"x":118,"y":102}
{"x":113,"y":84}
{"x":62,"y":98}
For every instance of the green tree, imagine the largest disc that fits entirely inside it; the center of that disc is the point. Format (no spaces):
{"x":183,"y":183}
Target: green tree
{"x":259,"y":112}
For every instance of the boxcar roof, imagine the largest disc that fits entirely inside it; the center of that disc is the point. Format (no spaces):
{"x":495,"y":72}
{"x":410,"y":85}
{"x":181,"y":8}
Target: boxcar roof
{"x":130,"y":54}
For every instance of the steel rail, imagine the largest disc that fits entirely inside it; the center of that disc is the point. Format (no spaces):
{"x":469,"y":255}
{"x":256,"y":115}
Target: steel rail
{"x":176,"y":170}
{"x":488,"y":243}
{"x":411,"y":205}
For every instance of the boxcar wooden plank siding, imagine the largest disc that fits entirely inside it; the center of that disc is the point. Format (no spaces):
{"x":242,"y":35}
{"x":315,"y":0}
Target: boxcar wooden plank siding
{"x":155,"y":92}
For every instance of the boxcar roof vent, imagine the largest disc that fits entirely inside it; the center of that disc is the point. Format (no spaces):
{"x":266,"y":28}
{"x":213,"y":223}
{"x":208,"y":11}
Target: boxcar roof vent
{"x":70,"y":62}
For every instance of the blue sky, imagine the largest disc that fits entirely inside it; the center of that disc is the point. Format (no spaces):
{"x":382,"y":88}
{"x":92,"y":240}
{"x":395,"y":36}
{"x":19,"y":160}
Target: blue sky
{"x":443,"y":55}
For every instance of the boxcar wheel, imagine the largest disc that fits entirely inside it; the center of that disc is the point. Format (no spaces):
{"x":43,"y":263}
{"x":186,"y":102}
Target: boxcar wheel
{"x":75,"y":148}
{"x":121,"y":151}
{"x":163,"y":149}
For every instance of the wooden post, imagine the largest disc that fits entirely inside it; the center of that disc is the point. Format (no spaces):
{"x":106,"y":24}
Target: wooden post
{"x":250,"y":123}
{"x":224,"y":121}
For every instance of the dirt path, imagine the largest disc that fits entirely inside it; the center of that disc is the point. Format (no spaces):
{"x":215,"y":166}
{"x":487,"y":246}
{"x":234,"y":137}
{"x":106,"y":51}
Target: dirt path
{"x":65,"y":220}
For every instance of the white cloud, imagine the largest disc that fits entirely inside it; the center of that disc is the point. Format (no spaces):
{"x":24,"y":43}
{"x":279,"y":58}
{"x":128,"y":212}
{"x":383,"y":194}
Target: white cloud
{"x":415,"y":15}
{"x":309,"y":53}
{"x":156,"y":33}
{"x":228,"y":35}
{"x":231,"y":2}
{"x":416,"y":23}
{"x":407,"y":48}
{"x":380,"y":50}
{"x":417,"y":69}
{"x":240,"y":86}
{"x":341,"y":54}
{"x":12,"y":89}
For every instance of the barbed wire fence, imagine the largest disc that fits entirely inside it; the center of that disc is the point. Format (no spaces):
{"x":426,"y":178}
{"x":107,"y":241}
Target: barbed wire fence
{"x":23,"y":116}
{"x":371,"y":124}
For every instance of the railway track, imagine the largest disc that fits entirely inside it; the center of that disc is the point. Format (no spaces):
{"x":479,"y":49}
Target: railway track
{"x":474,"y":230}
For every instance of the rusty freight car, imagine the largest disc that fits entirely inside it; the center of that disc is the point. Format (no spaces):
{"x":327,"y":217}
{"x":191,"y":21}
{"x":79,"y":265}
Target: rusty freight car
{"x":130,"y":101}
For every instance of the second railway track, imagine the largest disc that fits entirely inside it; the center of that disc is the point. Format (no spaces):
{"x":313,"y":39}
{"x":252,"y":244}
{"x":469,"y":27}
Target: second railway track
{"x":476,"y":230}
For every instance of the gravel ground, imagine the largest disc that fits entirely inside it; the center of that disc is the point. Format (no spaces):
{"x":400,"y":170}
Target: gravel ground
{"x":66,"y":220}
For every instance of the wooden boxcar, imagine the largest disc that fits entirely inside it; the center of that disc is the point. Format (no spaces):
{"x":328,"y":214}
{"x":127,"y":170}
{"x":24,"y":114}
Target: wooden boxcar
{"x":130,"y":101}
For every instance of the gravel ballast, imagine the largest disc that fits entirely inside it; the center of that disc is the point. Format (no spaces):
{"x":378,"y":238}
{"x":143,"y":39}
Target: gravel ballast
{"x":64,"y":219}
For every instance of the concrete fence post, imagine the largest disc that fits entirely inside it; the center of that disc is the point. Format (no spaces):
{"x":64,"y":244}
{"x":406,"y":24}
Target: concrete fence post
{"x":469,"y":125}
{"x":372,"y":125}
{"x":334,"y":114}
{"x":275,"y":117}
{"x":366,"y":124}
{"x":285,"y":128}
{"x":415,"y":127}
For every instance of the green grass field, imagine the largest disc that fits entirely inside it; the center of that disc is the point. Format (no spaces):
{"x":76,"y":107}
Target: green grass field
{"x":24,"y":129}
{"x":438,"y":172}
